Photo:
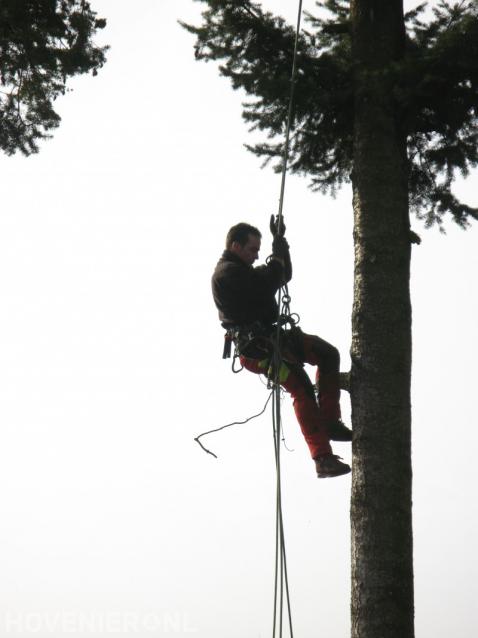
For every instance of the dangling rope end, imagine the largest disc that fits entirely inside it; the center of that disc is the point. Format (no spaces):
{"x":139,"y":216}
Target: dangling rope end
{"x":223,"y":427}
{"x":205,"y":448}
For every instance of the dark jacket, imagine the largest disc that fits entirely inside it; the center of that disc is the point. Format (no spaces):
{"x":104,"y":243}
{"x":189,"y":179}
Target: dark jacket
{"x":244,"y":294}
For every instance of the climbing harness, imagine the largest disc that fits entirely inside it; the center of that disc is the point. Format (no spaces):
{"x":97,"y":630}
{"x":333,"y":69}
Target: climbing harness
{"x":272,"y":345}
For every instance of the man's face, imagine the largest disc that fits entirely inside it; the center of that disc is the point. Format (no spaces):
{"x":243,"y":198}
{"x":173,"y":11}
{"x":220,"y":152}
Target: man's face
{"x":250,"y":251}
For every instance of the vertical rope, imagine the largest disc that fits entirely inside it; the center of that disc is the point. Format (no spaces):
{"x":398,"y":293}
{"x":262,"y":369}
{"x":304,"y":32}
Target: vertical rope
{"x":281,"y":581}
{"x":285,"y":154}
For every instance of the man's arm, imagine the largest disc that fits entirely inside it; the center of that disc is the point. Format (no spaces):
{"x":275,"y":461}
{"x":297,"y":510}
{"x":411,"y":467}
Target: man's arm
{"x":281,"y":253}
{"x":280,"y":247}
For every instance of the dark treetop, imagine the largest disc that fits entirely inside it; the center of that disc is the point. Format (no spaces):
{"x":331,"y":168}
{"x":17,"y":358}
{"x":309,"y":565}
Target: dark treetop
{"x":42,"y":44}
{"x":435,"y":89}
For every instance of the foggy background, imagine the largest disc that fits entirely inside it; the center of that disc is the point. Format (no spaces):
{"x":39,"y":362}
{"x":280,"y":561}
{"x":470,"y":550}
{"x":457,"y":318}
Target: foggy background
{"x":114,"y":521}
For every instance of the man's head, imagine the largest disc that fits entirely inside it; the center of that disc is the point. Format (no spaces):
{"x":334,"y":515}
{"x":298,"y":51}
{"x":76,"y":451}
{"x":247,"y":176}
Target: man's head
{"x":244,"y":241}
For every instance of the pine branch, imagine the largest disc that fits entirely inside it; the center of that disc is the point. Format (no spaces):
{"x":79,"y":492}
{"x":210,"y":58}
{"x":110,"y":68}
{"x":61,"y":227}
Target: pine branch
{"x":435,"y":89}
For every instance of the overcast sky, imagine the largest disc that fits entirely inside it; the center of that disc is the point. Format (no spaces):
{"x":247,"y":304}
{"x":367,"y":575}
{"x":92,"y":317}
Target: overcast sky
{"x":113,"y":519}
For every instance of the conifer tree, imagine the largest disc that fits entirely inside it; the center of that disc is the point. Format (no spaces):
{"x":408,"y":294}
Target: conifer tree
{"x":42,"y":44}
{"x":388,"y":102}
{"x":434,"y":84}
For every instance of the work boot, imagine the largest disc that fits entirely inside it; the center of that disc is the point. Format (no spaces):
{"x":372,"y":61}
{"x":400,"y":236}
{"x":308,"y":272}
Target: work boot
{"x":338,"y":431}
{"x":330,"y":465}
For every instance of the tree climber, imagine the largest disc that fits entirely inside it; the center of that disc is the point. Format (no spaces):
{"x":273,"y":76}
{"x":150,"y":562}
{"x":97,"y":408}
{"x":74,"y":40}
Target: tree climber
{"x":245,"y":299}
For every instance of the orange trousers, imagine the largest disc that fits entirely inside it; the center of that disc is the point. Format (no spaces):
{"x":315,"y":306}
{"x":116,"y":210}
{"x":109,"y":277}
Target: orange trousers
{"x":311,"y":415}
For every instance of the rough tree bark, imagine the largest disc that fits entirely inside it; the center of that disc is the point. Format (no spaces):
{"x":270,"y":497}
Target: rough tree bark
{"x":382,"y":561}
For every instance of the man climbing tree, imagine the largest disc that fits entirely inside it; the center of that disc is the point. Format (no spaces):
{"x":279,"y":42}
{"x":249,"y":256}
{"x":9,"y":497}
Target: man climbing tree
{"x":42,"y":44}
{"x":390,"y":103}
{"x":245,"y":298}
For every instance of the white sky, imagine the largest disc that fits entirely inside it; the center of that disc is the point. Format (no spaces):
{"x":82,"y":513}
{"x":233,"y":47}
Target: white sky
{"x":113,"y":519}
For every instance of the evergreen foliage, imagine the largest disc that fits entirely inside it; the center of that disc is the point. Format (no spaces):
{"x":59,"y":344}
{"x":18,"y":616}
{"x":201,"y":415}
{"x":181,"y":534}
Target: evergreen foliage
{"x":42,"y":44}
{"x":435,"y":90}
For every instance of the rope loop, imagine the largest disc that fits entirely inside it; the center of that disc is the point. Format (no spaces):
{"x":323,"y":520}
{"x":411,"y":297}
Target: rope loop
{"x":233,"y":365}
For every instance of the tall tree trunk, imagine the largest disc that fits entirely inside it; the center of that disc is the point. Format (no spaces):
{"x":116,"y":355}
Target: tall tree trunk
{"x":382,"y":557}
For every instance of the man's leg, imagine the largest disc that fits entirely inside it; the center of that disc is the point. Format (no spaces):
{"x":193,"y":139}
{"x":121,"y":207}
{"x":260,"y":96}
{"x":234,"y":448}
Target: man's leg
{"x":296,"y":382}
{"x":316,"y":351}
{"x":326,"y":357}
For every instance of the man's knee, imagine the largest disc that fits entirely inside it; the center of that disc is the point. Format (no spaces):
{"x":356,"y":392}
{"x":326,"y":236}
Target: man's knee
{"x":327,"y":354}
{"x":334,"y":357}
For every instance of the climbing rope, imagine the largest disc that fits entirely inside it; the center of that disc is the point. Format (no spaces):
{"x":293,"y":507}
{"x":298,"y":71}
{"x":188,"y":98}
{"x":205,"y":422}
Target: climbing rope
{"x":284,"y":318}
{"x":281,"y":581}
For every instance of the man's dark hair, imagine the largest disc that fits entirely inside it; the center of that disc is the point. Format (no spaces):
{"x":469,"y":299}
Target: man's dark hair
{"x":240,"y":233}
